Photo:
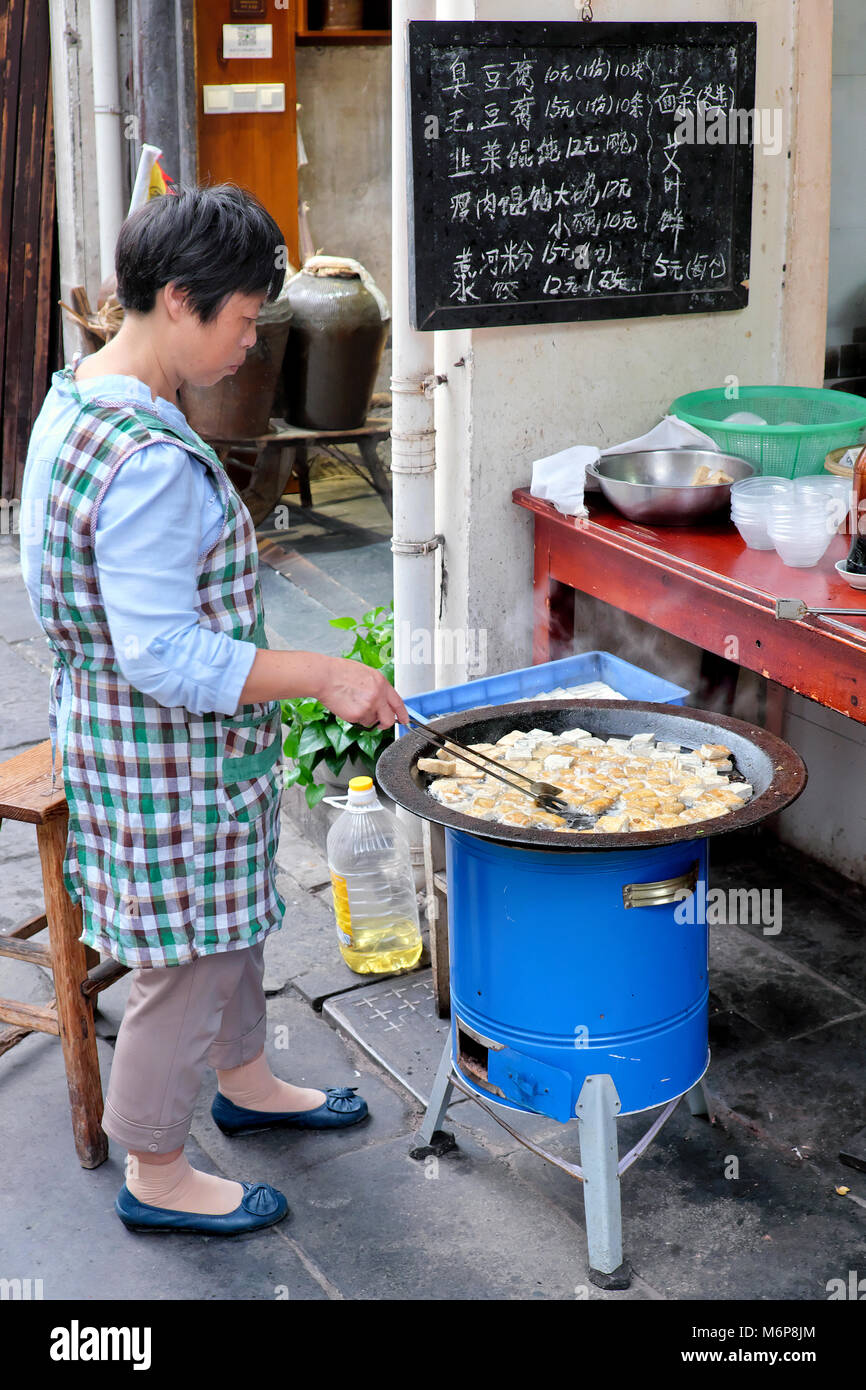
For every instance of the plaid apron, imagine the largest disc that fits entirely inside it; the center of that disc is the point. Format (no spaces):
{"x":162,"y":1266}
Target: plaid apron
{"x":173,"y":816}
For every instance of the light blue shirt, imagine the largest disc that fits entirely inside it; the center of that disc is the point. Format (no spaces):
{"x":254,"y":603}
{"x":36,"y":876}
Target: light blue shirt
{"x":158,"y":514}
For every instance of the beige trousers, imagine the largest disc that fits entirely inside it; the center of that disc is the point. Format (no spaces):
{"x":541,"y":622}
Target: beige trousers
{"x":178,"y":1020}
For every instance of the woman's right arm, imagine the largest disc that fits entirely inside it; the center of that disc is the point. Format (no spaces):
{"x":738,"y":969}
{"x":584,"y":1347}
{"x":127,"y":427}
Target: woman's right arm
{"x":146,"y":543}
{"x":351,"y":690}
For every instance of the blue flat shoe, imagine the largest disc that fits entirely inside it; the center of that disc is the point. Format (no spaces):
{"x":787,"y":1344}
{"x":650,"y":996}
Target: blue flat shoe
{"x":261,"y":1205}
{"x":340,"y":1107}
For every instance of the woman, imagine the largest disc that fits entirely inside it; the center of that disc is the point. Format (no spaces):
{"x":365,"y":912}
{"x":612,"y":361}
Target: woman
{"x":143,"y":574}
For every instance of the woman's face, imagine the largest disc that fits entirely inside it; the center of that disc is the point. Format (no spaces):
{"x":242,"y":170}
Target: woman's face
{"x":218,"y":348}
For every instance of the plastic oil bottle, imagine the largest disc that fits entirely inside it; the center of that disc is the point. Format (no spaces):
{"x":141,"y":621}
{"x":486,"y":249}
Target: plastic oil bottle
{"x":373,"y":884}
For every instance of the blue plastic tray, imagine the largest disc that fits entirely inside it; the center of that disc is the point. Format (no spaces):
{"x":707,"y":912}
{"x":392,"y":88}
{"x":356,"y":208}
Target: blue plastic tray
{"x":622,"y":676}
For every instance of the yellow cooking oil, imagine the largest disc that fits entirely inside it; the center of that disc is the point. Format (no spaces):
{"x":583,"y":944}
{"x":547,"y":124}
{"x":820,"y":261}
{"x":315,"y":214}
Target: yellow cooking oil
{"x":375,"y":903}
{"x":381,"y":945}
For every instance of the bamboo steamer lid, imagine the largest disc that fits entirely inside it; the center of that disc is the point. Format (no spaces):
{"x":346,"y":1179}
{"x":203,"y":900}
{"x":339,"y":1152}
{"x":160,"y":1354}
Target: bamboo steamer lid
{"x":833,"y":462}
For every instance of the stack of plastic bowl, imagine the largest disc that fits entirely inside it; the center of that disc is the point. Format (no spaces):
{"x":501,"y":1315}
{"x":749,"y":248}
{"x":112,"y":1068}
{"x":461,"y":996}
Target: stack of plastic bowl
{"x":750,"y":508}
{"x":836,"y":491}
{"x":797,"y":519}
{"x":802,"y":522}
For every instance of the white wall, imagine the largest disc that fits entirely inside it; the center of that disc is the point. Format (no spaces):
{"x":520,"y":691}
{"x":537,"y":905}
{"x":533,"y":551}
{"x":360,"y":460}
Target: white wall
{"x":345,"y":121}
{"x":847,"y":306}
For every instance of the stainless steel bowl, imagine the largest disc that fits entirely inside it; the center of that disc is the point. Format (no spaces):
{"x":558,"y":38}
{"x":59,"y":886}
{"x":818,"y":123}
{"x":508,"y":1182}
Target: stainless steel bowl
{"x":656,"y":485}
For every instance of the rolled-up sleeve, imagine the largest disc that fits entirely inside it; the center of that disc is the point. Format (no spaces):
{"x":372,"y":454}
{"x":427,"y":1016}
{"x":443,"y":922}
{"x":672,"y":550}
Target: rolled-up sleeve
{"x":157,"y":514}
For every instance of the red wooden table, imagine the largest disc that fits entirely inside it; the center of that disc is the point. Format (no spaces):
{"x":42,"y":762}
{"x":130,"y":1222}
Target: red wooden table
{"x":704,"y":585}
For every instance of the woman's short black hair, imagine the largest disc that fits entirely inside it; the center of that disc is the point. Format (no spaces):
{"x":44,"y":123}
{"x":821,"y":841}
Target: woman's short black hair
{"x":213,"y":241}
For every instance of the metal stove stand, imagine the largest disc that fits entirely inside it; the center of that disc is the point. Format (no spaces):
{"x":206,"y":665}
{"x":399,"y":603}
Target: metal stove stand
{"x":601,"y":1167}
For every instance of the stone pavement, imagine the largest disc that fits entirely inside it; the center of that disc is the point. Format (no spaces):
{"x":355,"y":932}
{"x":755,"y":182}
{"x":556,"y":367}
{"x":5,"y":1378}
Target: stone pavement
{"x":745,"y":1207}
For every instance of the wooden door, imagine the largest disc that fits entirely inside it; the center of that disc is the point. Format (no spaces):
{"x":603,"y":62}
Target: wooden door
{"x":257,"y":150}
{"x":29,"y":318}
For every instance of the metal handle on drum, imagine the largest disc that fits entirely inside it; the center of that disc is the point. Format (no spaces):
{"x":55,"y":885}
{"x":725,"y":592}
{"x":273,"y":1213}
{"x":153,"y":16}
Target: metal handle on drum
{"x":666,"y":890}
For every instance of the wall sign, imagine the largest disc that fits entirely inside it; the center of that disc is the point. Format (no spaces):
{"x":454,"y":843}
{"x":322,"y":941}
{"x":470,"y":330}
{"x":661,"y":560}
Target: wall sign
{"x":248,"y":9}
{"x":248,"y":41}
{"x":574,"y":171}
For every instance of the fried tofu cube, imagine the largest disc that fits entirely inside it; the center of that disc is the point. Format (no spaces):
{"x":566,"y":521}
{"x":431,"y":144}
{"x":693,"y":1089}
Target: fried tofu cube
{"x":616,"y":824}
{"x":555,"y":762}
{"x":708,"y":809}
{"x":547,"y":819}
{"x":445,"y":789}
{"x":440,"y":767}
{"x":714,"y":752}
{"x":469,"y":771}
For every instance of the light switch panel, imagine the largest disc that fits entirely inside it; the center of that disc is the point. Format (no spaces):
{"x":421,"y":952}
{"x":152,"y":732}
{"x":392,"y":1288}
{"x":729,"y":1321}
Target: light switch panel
{"x":217,"y":100}
{"x":271,"y":96}
{"x":235,"y":97}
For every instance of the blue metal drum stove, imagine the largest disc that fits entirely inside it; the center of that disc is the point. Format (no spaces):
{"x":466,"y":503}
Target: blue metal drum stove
{"x":579,"y":978}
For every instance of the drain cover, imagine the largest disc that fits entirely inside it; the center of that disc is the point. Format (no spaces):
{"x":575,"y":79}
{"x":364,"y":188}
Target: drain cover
{"x":396,"y":1024}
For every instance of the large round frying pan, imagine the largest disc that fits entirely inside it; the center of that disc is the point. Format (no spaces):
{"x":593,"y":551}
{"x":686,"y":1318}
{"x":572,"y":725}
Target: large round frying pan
{"x":776,"y":772}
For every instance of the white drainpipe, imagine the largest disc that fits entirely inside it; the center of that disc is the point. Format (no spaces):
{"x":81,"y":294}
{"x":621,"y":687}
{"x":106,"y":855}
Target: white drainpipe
{"x":412,"y":439}
{"x":109,"y":147}
{"x":414,"y":541}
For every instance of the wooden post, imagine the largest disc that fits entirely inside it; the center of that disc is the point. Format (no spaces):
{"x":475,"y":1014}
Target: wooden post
{"x":433,"y":838}
{"x":74,"y":1010}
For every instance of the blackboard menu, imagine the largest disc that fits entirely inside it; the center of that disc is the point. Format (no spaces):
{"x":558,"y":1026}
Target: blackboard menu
{"x":578,"y":171}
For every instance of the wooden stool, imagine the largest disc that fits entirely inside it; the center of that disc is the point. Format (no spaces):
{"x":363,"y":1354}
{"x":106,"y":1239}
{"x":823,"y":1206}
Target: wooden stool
{"x":25,"y":794}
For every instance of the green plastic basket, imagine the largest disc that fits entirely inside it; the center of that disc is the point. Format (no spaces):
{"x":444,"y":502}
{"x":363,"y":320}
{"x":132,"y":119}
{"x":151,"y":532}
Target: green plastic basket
{"x":803,"y":424}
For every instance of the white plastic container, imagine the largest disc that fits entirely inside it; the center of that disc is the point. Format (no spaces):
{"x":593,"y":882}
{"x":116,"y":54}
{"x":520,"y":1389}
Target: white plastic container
{"x":753,"y":532}
{"x":836,"y":492}
{"x":750,"y":506}
{"x":801,"y":527}
{"x":375,"y":901}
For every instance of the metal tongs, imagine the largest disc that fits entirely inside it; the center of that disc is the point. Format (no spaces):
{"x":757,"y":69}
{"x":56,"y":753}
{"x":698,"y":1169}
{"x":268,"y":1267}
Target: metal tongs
{"x":544,"y":794}
{"x":795,"y":609}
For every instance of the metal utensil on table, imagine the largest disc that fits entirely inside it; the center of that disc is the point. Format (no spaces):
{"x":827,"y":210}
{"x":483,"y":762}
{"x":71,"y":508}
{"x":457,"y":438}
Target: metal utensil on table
{"x":655,"y":485}
{"x":544,"y":794}
{"x":795,"y":608}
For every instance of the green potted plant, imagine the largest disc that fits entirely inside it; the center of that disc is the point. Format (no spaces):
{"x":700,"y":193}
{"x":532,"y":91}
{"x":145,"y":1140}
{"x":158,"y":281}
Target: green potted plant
{"x":316,"y":738}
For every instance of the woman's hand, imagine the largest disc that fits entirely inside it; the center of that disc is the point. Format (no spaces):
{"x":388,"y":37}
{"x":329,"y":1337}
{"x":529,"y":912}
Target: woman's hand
{"x":360,"y":694}
{"x":354,"y":692}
